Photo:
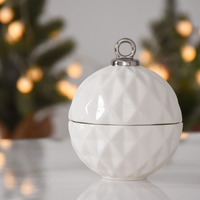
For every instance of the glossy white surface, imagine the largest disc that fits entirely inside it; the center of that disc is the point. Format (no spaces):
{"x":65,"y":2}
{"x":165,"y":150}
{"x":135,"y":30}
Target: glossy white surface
{"x":125,"y":95}
{"x":124,"y":152}
{"x":57,"y":173}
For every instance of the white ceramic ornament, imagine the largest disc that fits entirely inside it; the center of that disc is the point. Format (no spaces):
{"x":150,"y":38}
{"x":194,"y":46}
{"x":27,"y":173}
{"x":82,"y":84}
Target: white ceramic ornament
{"x":125,"y":120}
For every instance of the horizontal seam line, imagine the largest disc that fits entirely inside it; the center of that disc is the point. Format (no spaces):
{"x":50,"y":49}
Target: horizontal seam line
{"x":126,"y":124}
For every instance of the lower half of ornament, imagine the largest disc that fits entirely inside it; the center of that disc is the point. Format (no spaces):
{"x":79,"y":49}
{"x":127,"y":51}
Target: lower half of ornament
{"x":124,"y":152}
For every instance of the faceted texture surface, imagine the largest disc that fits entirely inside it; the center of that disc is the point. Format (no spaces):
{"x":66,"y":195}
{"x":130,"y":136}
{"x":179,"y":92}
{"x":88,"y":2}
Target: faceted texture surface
{"x":124,"y":152}
{"x":125,"y":95}
{"x":123,"y":190}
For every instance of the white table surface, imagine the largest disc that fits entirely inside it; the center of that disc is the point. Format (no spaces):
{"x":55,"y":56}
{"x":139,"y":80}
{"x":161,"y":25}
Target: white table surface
{"x":50,"y":170}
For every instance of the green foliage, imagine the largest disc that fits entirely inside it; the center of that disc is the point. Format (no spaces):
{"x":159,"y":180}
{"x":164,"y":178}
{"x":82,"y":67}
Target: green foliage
{"x":165,"y":46}
{"x":17,"y":57}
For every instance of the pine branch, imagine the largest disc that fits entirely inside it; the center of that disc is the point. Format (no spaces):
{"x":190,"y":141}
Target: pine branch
{"x":42,"y":31}
{"x":54,"y":54}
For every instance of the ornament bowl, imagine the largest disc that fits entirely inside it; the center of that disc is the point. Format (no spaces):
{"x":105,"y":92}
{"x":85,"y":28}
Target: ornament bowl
{"x":124,"y":152}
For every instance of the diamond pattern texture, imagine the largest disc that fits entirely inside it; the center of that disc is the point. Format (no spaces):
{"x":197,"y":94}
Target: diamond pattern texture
{"x":125,"y":95}
{"x":123,"y":190}
{"x":124,"y":152}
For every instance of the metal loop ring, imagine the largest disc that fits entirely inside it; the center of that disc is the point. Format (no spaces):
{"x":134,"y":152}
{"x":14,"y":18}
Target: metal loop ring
{"x":125,"y":40}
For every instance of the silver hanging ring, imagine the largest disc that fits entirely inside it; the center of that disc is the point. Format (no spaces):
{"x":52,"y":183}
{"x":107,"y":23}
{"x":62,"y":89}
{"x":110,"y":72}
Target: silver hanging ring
{"x":125,"y":60}
{"x":125,"y":40}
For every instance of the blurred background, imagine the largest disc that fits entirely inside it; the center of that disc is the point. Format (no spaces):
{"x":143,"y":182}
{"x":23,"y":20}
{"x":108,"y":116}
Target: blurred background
{"x":47,"y":48}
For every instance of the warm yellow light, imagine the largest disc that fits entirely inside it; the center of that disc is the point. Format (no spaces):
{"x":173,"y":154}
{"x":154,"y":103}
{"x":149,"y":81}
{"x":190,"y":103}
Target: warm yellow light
{"x":2,"y":160}
{"x":197,"y":76}
{"x":184,"y":135}
{"x":24,"y":85}
{"x":5,"y":144}
{"x":66,"y":89}
{"x":160,"y":70}
{"x":74,"y":70}
{"x":184,"y":28}
{"x":27,"y":188}
{"x":188,"y":53}
{"x":16,"y":30}
{"x":34,"y":73}
{"x":54,"y":34}
{"x":145,"y":57}
{"x":2,"y":1}
{"x":6,"y":15}
{"x":9,"y":180}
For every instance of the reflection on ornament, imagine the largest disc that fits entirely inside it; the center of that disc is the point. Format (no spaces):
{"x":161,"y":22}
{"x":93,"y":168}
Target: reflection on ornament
{"x":27,"y":188}
{"x":54,"y":34}
{"x":34,"y":73}
{"x":66,"y":89}
{"x":160,"y":70}
{"x":24,"y":85}
{"x":184,"y":135}
{"x":184,"y":28}
{"x":145,"y":57}
{"x":16,"y":30}
{"x":9,"y":180}
{"x":6,"y":15}
{"x":74,"y":70}
{"x":188,"y":53}
{"x":5,"y":144}
{"x":2,"y":1}
{"x":2,"y":160}
{"x":198,"y":76}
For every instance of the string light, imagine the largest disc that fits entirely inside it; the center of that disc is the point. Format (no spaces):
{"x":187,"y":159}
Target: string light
{"x":66,"y":89}
{"x":24,"y":85}
{"x":6,"y":15}
{"x":2,"y":1}
{"x":2,"y":160}
{"x":74,"y":70}
{"x":197,"y":76}
{"x":160,"y":70}
{"x":184,"y":135}
{"x":188,"y":53}
{"x":9,"y":180}
{"x":5,"y":144}
{"x":184,"y":28}
{"x":16,"y":30}
{"x":27,"y":188}
{"x":34,"y":73}
{"x":145,"y":57}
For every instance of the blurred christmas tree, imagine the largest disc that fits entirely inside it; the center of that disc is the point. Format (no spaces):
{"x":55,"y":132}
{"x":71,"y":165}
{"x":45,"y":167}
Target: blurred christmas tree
{"x":170,"y":54}
{"x":27,"y":55}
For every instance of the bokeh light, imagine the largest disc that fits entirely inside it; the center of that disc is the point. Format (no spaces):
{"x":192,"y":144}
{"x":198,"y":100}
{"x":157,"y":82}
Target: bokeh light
{"x":9,"y":180}
{"x":5,"y":144}
{"x":66,"y":89}
{"x":184,"y":28}
{"x":145,"y":57}
{"x":188,"y":53}
{"x":16,"y":30}
{"x":160,"y":70}
{"x":27,"y":188}
{"x":197,"y":76}
{"x":24,"y":85}
{"x":184,"y":135}
{"x":74,"y":70}
{"x":2,"y":160}
{"x":34,"y":73}
{"x":6,"y":15}
{"x":54,"y":34}
{"x":2,"y":1}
